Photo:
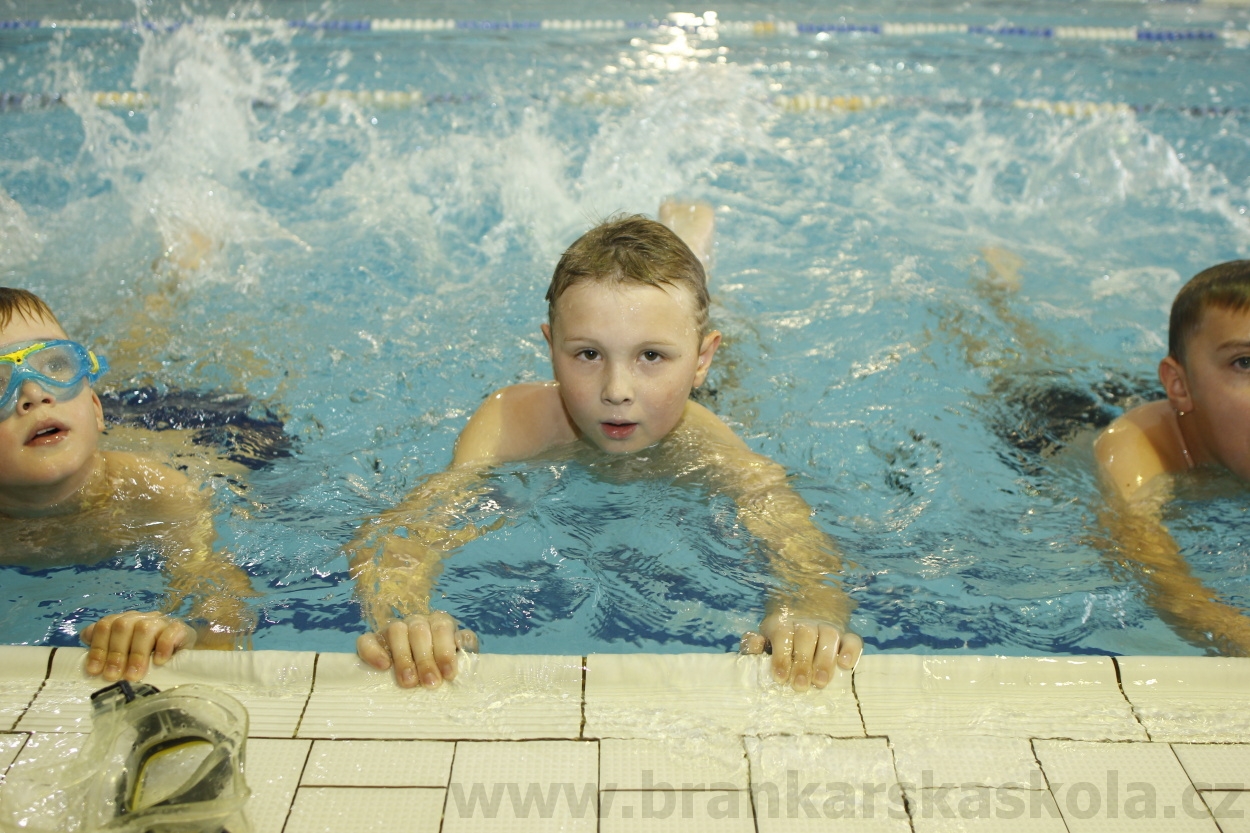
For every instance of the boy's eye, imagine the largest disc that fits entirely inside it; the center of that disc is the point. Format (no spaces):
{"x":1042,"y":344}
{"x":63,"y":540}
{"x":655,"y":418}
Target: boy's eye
{"x":651,"y":356}
{"x":54,"y":365}
{"x":1242,"y":362}
{"x":588,"y":354}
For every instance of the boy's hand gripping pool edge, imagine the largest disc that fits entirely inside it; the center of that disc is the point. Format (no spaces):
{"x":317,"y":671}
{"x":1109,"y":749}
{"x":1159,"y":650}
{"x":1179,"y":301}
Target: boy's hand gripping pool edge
{"x":806,"y":652}
{"x":421,"y":648}
{"x":122,"y":644}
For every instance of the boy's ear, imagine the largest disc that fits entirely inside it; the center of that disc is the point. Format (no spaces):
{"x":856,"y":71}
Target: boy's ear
{"x":707,"y":349}
{"x":99,"y":412}
{"x":547,"y":334}
{"x":1176,"y":385}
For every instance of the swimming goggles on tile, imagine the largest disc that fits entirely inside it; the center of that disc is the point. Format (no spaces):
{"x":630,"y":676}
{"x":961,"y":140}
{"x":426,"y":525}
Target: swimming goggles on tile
{"x":59,"y":367}
{"x":168,"y":761}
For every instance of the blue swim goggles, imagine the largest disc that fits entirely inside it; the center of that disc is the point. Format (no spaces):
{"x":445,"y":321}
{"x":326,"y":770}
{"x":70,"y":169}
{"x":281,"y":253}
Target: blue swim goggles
{"x":59,"y":367}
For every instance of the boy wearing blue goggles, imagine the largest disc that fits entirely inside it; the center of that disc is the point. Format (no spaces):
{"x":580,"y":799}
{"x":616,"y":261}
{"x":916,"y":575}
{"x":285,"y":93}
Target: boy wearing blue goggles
{"x":63,"y":500}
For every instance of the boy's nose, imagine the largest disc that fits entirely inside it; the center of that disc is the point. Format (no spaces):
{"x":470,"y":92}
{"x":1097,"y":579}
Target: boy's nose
{"x":618,"y":387}
{"x":31,"y":394}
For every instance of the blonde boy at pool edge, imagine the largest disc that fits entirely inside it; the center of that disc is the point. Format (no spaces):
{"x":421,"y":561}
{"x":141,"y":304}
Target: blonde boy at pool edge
{"x":629,"y":340}
{"x":63,"y":501}
{"x":1203,"y":423}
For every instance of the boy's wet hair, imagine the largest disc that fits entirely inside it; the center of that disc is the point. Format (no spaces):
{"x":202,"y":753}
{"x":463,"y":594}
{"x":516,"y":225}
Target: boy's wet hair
{"x":20,"y":301}
{"x":1226,"y":286}
{"x":631,"y":250}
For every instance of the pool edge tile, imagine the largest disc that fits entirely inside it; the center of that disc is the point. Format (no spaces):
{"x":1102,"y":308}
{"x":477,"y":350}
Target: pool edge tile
{"x":1190,"y":699}
{"x":647,"y":696}
{"x":1022,"y":697}
{"x":272,"y":685}
{"x":494,"y":696}
{"x":25,"y":669}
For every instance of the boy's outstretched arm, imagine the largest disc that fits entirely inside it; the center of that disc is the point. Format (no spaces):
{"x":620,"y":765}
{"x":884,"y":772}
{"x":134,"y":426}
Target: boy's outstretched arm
{"x":396,"y":557}
{"x":805,"y":623}
{"x":123,"y":644}
{"x":1137,"y":540}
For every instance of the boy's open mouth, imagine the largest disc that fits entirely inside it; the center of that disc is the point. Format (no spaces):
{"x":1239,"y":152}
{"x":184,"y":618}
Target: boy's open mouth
{"x":618,"y":430}
{"x":47,"y":434}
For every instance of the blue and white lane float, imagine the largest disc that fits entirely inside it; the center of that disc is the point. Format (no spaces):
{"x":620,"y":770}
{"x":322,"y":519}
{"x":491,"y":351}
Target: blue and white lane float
{"x":706,"y":24}
{"x":134,"y":100}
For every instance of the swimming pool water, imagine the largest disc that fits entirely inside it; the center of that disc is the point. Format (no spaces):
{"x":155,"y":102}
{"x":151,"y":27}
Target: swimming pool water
{"x":380,"y":269}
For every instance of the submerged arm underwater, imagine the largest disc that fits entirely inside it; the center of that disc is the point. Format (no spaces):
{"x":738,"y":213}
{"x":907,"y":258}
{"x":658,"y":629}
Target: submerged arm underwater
{"x":806,"y":617}
{"x":1137,"y":541}
{"x":395,"y":559}
{"x":219,"y":616}
{"x":216,"y":586}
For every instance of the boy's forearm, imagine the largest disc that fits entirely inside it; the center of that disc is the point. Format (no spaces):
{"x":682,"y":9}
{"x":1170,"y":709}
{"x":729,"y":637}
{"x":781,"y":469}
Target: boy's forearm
{"x":1139,"y":541}
{"x":800,"y":554}
{"x":807,"y":564}
{"x":394,"y":576}
{"x":216,"y":586}
{"x":396,"y":558}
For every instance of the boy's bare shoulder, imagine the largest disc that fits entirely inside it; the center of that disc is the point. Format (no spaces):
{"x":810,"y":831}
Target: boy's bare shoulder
{"x":1140,"y":445}
{"x":136,"y":476}
{"x":515,"y":423}
{"x":703,"y":425}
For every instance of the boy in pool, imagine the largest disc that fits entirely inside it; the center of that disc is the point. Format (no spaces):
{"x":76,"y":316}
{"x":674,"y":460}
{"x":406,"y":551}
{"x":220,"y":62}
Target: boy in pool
{"x":63,"y":501}
{"x":1203,"y":423}
{"x":1205,"y":420}
{"x":629,"y":340}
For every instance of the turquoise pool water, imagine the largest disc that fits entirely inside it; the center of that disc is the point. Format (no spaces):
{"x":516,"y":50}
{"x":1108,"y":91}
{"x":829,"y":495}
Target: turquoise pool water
{"x":385,"y":204}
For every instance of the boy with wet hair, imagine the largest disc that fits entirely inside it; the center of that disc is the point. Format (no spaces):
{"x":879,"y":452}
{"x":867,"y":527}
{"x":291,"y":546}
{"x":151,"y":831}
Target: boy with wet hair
{"x":64,"y":501}
{"x":629,"y":341}
{"x":1203,"y":423}
{"x":1205,"y":420}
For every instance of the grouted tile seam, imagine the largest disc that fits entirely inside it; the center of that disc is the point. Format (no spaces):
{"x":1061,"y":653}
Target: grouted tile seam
{"x":1037,"y":760}
{"x":435,"y":739}
{"x":299,"y":782}
{"x":5,"y":772}
{"x":1119,"y":681}
{"x":47,"y":674}
{"x":911,"y":823}
{"x":395,"y":787}
{"x":312,"y":688}
{"x":898,"y":782}
{"x":1202,"y":796}
{"x":581,"y":730}
{"x":599,"y":790}
{"x":802,"y":734}
{"x":442,"y":739}
{"x":1046,"y":780}
{"x":755,"y":819}
{"x":1104,"y":741}
{"x":451,"y":767}
{"x":682,"y":789}
{"x":859,"y":709}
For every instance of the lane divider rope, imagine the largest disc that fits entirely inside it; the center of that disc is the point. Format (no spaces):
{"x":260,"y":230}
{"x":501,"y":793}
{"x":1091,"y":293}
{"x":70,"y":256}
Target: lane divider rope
{"x":690,"y":23}
{"x":800,"y":103}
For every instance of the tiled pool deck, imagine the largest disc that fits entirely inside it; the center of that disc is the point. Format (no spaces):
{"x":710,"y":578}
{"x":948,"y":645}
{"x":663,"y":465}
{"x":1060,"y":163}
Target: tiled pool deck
{"x":704,"y":742}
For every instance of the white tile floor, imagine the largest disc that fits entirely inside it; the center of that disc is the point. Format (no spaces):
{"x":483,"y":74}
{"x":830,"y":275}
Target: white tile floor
{"x":703,"y":742}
